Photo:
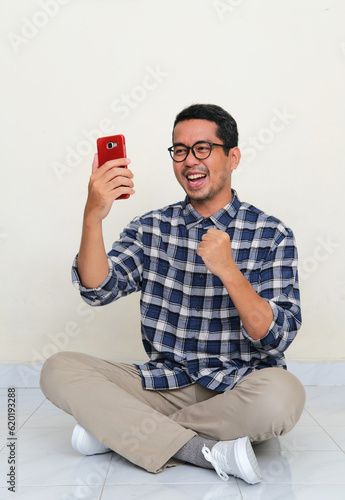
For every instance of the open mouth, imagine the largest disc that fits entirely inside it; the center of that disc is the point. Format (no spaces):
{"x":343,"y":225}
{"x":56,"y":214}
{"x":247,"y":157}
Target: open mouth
{"x":196,"y":179}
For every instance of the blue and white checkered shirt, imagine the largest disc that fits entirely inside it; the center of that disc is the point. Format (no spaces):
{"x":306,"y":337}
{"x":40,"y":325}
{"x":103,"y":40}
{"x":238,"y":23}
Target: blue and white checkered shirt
{"x":190,"y":329}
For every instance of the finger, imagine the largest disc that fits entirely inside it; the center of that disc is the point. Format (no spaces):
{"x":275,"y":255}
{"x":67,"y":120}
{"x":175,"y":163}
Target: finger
{"x":116,"y":172}
{"x":121,"y":182}
{"x":119,"y":162}
{"x":202,"y":248}
{"x":95,"y":163}
{"x":122,"y":190}
{"x":207,"y":237}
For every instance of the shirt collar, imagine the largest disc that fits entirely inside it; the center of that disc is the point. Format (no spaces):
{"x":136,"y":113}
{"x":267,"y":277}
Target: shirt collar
{"x":220,"y":219}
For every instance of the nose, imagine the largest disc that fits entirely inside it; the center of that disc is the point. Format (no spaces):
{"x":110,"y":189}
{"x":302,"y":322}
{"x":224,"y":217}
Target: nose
{"x":191,"y":160}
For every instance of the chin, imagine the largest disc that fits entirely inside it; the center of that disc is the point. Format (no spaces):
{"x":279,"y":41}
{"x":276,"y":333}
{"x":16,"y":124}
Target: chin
{"x":200,"y":197}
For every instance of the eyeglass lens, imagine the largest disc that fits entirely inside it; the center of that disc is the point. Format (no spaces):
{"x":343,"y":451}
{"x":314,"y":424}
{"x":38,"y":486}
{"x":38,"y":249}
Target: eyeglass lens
{"x":201,"y":150}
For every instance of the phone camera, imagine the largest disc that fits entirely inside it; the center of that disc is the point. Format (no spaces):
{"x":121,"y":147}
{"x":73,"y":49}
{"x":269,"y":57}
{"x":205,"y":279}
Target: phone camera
{"x":111,"y":145}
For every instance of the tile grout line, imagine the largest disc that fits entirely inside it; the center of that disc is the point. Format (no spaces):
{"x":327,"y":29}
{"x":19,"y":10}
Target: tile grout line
{"x":318,"y":423}
{"x":332,"y":438}
{"x":20,"y":427}
{"x":239,"y":488}
{"x":105,"y":477}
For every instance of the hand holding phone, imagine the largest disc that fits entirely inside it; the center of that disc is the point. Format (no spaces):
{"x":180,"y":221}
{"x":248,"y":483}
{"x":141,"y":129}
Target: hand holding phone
{"x":110,"y":180}
{"x":112,"y":148}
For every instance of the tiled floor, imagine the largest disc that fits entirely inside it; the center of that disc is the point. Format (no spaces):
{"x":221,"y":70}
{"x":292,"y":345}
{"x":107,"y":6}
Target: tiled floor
{"x":308,"y":463}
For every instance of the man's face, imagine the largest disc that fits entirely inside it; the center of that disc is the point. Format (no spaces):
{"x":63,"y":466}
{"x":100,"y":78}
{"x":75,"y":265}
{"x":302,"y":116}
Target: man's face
{"x":206,"y":182}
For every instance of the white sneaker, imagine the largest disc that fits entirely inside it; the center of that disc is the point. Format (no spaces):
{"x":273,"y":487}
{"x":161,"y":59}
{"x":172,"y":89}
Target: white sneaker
{"x":235,"y":458}
{"x":85,"y":443}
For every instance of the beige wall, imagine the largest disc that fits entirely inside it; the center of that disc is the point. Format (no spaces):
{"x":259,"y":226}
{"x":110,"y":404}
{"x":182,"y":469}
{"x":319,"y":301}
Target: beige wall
{"x":75,"y":70}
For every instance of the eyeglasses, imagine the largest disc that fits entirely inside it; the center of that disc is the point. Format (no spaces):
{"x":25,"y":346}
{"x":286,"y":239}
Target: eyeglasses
{"x":201,"y":150}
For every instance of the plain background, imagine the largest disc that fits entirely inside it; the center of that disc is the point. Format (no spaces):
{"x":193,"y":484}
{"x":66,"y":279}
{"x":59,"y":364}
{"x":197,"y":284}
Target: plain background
{"x":75,"y":70}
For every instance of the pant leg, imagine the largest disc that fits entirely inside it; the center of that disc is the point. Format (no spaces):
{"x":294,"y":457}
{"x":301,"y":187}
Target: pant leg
{"x":108,"y":400}
{"x":265,"y":403}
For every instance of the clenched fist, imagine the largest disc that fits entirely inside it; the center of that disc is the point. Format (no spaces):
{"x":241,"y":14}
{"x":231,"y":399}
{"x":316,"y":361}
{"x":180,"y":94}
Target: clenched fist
{"x":215,"y":251}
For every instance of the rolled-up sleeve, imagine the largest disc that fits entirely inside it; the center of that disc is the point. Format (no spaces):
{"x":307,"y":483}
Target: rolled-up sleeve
{"x":278,"y":284}
{"x":125,"y":264}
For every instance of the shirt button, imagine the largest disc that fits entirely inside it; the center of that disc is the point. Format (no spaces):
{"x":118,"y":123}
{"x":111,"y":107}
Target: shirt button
{"x":201,"y":276}
{"x":198,"y":309}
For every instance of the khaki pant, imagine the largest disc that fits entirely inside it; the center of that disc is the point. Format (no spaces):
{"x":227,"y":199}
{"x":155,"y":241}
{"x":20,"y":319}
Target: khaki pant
{"x":149,"y":427}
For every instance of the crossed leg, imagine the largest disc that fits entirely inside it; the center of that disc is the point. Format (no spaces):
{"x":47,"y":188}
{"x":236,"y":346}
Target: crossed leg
{"x":149,"y":427}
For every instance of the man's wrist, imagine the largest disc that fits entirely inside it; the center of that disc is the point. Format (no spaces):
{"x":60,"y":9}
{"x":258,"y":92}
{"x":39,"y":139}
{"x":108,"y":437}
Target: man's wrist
{"x":90,"y":221}
{"x":228,"y":275}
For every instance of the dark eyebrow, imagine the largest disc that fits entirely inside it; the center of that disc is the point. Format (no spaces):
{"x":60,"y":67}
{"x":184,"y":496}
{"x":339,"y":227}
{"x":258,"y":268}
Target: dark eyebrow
{"x":197,"y":142}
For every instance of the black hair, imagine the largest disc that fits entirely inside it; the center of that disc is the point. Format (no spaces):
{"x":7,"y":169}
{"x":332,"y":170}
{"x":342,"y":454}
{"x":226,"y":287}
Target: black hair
{"x":226,"y":125}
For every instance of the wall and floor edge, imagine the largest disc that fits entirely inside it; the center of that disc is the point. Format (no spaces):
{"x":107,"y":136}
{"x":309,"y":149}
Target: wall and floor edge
{"x":323,"y":373}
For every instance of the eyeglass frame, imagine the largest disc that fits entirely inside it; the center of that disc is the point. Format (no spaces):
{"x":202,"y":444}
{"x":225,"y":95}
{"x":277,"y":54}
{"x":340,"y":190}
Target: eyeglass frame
{"x":191,"y":148}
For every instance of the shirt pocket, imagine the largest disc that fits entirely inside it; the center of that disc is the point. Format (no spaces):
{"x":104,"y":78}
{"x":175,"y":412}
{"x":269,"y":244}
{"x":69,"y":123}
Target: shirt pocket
{"x":163,"y":281}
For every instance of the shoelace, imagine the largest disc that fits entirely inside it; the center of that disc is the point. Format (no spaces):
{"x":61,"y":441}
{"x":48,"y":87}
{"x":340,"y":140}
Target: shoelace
{"x":208,"y":456}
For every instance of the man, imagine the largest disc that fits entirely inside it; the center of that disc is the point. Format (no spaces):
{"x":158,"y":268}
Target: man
{"x":219,"y":306}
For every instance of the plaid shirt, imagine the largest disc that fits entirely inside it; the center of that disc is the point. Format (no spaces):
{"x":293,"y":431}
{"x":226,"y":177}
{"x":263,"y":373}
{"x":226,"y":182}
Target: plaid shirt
{"x":190,"y":328}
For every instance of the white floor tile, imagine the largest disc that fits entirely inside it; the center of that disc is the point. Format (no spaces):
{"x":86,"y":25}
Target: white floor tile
{"x":327,"y":416}
{"x":46,"y":439}
{"x":28,"y":399}
{"x":337,"y":433}
{"x":20,"y":375}
{"x":3,"y":441}
{"x":22,"y":418}
{"x":123,"y":472}
{"x":84,"y":492}
{"x":326,"y":404}
{"x":319,"y":395}
{"x":292,"y":492}
{"x":50,"y":418}
{"x":35,"y":469}
{"x":306,"y":419}
{"x":219,"y":491}
{"x":301,"y":438}
{"x":298,"y":467}
{"x":47,"y":405}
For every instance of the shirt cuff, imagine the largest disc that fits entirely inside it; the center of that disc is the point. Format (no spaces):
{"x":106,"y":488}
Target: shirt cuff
{"x":91,"y":293}
{"x":270,"y":339}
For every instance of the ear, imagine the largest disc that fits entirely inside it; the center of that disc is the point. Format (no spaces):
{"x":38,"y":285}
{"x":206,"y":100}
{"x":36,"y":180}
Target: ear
{"x":235,"y":157}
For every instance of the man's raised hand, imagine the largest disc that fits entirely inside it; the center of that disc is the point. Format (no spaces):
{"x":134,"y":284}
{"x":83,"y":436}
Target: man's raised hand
{"x":107,"y":183}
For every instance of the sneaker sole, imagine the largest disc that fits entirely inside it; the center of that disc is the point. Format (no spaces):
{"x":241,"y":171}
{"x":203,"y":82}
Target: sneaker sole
{"x":246,"y":461}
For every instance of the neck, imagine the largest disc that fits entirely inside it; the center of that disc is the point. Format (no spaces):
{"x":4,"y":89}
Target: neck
{"x":206,"y":208}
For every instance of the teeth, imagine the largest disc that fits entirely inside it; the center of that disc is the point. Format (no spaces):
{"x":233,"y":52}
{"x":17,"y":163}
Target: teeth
{"x":195,"y":176}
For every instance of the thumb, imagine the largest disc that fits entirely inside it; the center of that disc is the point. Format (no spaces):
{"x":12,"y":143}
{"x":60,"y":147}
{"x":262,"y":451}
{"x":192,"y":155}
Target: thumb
{"x":95,"y":163}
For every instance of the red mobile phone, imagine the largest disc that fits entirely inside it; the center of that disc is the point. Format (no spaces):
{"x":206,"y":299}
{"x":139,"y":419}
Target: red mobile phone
{"x":112,"y":148}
